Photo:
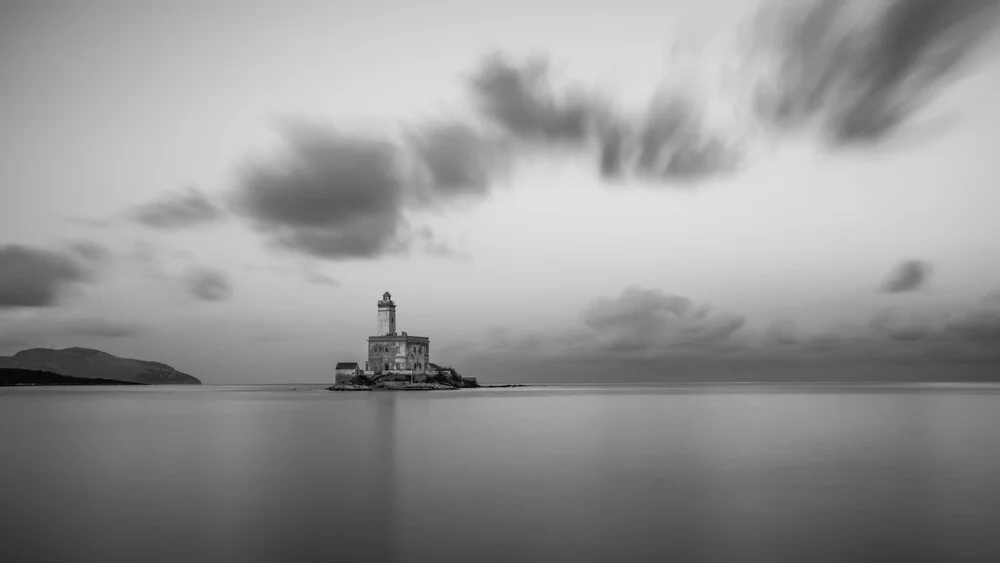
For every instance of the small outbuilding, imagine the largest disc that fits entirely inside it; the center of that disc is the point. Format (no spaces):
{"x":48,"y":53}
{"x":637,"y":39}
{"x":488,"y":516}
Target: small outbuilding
{"x":345,"y":371}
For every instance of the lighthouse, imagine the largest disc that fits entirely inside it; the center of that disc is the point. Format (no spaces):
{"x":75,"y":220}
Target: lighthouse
{"x":398,"y":353}
{"x":386,"y":316}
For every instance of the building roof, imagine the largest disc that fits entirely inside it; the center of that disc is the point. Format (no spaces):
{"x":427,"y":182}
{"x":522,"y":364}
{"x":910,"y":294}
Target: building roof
{"x":399,"y":338}
{"x":347,"y":365}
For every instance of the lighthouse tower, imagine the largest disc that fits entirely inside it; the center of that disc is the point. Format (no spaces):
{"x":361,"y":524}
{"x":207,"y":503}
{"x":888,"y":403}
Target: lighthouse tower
{"x":386,"y":316}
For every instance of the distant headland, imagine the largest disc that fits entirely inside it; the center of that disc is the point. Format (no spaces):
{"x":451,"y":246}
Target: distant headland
{"x":85,"y":363}
{"x":15,"y":377}
{"x":397,"y":361}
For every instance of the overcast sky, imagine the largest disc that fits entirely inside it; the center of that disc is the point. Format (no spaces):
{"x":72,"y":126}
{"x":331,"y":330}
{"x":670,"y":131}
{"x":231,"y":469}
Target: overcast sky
{"x":550,"y":190}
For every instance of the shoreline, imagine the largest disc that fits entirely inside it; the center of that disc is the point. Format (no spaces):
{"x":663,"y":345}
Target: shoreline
{"x":417,"y":387}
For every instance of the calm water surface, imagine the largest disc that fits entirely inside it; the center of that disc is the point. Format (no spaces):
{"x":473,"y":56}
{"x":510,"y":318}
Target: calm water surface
{"x":653,"y":473}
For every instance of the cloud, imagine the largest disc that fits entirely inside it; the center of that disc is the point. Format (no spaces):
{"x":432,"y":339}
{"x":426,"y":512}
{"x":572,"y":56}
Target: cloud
{"x":646,"y":334}
{"x":643,"y":319}
{"x":669,"y":143}
{"x":862,"y":69}
{"x":103,"y":328}
{"x":979,"y":327}
{"x":335,"y":196}
{"x":672,"y":143}
{"x":209,"y":285}
{"x":907,"y":276}
{"x":41,"y":330}
{"x":31,"y":277}
{"x":90,"y":251}
{"x":639,"y":322}
{"x":520,"y":99}
{"x":319,"y":278}
{"x":907,"y":327}
{"x":456,"y":160}
{"x":783,"y":332}
{"x":901,"y":336}
{"x":189,"y":208}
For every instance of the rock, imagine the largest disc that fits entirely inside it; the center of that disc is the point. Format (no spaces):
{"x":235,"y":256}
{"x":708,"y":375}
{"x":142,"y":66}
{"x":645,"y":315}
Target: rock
{"x":94,"y":364}
{"x":403,"y":386}
{"x":349,"y":387}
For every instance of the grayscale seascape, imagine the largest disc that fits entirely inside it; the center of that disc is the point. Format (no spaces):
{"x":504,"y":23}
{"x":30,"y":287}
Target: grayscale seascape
{"x":401,"y":281}
{"x":593,"y":473}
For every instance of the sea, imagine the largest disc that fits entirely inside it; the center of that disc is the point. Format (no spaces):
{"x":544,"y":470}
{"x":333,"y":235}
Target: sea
{"x":619,"y":473}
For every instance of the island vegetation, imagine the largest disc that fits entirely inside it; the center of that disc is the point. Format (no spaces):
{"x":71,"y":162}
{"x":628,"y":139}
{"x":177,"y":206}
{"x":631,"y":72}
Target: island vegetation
{"x":16,"y":377}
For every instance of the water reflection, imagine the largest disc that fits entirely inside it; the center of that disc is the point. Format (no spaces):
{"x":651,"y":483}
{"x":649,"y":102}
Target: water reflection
{"x":724,"y":474}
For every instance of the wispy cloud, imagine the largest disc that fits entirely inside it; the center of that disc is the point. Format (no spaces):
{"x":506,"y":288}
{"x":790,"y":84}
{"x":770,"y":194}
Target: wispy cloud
{"x":38,"y":331}
{"x":862,"y":69}
{"x":208,"y":285}
{"x":188,"y":208}
{"x":644,"y":319}
{"x":91,"y":251}
{"x":668,"y":143}
{"x":454,"y":159}
{"x":521,"y":100}
{"x":639,"y":322}
{"x":909,"y":275}
{"x":319,"y":278}
{"x":783,"y":332}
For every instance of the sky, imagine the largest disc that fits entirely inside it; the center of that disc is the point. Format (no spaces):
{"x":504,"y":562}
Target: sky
{"x":559,"y":191}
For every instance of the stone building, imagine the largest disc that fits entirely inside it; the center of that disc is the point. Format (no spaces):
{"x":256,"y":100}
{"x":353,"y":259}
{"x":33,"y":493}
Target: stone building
{"x":392,"y":352}
{"x":346,"y":370}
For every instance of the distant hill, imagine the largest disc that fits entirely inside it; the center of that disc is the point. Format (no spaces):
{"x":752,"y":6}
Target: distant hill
{"x":10,"y":377}
{"x":94,"y":364}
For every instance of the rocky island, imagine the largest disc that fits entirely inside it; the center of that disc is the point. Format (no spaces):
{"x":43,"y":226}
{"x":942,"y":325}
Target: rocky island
{"x":86,"y":363}
{"x":397,"y":361}
{"x":402,"y":382}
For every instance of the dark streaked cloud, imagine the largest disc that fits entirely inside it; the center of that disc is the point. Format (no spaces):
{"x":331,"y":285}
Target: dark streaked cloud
{"x":909,"y":275}
{"x":862,"y":68}
{"x":208,"y":285}
{"x":31,"y":277}
{"x":188,"y":208}
{"x":669,"y":143}
{"x":521,"y":99}
{"x":674,"y":144}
